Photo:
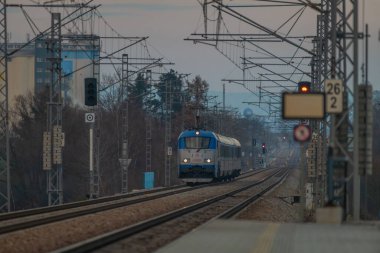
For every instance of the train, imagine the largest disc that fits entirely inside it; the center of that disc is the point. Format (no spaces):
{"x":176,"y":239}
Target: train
{"x":205,"y":156}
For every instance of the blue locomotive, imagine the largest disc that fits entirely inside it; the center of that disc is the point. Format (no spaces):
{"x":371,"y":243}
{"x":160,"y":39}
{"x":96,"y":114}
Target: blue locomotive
{"x":204,"y":156}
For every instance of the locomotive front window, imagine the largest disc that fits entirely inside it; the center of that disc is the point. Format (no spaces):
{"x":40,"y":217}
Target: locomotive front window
{"x":197,"y":142}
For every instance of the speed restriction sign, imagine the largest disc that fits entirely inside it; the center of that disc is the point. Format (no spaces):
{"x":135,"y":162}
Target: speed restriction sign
{"x":89,"y":117}
{"x":334,"y":96}
{"x":302,"y":133}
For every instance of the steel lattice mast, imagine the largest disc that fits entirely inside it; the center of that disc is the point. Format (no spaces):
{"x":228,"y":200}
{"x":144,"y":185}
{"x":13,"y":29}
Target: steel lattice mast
{"x":124,"y":127}
{"x":168,"y":132}
{"x":54,"y":136}
{"x":4,"y":116}
{"x":148,"y":129}
{"x":337,"y":58}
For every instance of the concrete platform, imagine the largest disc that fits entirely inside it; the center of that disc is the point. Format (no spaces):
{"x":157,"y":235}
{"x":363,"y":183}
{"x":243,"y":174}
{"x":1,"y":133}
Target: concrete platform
{"x":240,"y":236}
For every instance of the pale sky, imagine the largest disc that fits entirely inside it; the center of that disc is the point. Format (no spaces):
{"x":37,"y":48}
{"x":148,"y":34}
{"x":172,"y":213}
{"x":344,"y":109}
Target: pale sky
{"x":168,"y":22}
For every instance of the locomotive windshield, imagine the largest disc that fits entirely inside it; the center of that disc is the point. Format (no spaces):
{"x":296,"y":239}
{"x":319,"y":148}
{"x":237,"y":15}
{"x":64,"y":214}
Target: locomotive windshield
{"x":197,"y":142}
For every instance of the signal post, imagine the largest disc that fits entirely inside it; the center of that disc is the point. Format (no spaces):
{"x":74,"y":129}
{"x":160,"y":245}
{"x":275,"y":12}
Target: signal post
{"x":91,"y":100}
{"x":304,"y":105}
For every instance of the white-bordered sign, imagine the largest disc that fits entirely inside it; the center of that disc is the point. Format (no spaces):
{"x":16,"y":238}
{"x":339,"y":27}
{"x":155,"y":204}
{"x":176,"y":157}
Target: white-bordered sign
{"x":170,"y":151}
{"x":89,"y":117}
{"x":302,"y":133}
{"x":334,"y":96}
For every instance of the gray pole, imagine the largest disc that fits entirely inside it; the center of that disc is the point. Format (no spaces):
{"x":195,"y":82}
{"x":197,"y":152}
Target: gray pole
{"x":124,"y":128}
{"x":302,"y":181}
{"x":366,"y":83}
{"x":366,"y":54}
{"x":168,"y":129}
{"x":356,"y":176}
{"x":224,"y":109}
{"x":224,"y":97}
{"x":333,"y":64}
{"x":97,"y":111}
{"x":148,"y":129}
{"x":91,"y":161}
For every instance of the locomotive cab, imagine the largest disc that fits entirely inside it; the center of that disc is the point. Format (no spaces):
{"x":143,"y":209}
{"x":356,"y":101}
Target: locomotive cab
{"x":196,"y":155}
{"x":204,"y":156}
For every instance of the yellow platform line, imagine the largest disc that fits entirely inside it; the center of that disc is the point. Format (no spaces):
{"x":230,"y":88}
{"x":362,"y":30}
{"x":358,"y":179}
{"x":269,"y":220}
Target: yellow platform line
{"x":265,"y":241}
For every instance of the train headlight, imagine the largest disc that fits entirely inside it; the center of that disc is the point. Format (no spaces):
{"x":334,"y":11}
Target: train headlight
{"x":186,"y":160}
{"x":197,"y":132}
{"x":208,"y":160}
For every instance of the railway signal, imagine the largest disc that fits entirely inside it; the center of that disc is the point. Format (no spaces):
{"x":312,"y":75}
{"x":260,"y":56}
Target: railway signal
{"x":304,"y":87}
{"x":303,"y":104}
{"x":90,"y":92}
{"x":263,"y":146}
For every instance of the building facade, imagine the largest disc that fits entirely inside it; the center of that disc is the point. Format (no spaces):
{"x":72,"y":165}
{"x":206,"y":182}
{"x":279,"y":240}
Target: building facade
{"x":29,"y":70}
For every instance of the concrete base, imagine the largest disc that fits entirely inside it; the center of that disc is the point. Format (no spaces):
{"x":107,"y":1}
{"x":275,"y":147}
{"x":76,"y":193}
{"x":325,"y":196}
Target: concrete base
{"x":329,"y":215}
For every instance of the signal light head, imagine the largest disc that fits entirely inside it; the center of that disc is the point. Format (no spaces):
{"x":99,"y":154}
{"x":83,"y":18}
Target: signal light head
{"x":90,"y":92}
{"x":304,"y":87}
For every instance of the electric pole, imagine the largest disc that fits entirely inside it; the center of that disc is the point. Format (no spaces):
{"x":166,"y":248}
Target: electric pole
{"x":5,"y":182}
{"x":53,"y":137}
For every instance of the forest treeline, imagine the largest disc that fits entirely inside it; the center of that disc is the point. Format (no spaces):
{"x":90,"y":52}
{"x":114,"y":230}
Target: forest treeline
{"x":146,"y":100}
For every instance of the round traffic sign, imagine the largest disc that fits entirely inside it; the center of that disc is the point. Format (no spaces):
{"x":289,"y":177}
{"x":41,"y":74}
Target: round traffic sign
{"x":302,"y":133}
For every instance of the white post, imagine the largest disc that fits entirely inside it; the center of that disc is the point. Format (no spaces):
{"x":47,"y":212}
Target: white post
{"x":91,"y":149}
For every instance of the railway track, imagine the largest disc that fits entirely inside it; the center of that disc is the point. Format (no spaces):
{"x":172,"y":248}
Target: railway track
{"x":35,"y":217}
{"x":228,"y":204}
{"x":49,"y":209}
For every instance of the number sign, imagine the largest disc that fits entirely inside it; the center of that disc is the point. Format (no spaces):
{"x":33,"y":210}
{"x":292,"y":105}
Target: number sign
{"x":334,"y":96}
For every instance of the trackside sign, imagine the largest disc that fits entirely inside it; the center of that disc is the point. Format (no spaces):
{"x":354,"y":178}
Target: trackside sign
{"x":303,"y":106}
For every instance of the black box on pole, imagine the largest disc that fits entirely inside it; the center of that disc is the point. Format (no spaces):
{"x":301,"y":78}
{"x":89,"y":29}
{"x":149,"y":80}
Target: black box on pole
{"x":90,"y":92}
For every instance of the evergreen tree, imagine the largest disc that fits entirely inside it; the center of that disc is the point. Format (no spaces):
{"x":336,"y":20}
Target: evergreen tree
{"x":139,"y":91}
{"x":171,"y":82}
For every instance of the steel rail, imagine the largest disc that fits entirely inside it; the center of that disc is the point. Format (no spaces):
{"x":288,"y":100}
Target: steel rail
{"x":233,"y":211}
{"x":48,"y":209}
{"x":76,"y":213}
{"x":123,"y":233}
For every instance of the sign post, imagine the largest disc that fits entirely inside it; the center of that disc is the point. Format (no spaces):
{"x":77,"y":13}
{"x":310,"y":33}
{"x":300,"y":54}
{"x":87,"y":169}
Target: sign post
{"x":90,"y":118}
